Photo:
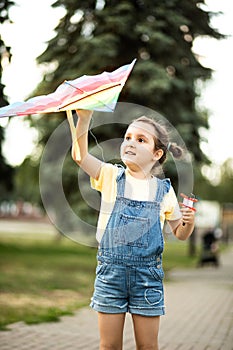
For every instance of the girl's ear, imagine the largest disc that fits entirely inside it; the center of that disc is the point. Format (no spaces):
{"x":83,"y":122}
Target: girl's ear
{"x":158,"y":154}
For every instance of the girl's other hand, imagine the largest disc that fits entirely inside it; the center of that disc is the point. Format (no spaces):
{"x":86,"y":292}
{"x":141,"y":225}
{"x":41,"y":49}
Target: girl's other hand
{"x":188,"y":215}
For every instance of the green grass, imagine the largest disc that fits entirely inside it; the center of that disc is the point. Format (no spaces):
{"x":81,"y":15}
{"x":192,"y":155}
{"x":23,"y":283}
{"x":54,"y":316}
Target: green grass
{"x":176,"y":255}
{"x":43,"y":280}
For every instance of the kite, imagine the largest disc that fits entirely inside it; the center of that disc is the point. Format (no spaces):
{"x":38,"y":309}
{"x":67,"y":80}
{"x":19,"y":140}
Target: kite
{"x":94,"y":92}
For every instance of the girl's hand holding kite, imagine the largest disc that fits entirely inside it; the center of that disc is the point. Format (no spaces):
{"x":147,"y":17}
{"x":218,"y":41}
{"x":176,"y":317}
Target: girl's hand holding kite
{"x":80,"y":154}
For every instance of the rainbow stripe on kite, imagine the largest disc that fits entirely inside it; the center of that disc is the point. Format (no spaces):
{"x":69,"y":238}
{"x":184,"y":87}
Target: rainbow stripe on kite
{"x":94,"y":92}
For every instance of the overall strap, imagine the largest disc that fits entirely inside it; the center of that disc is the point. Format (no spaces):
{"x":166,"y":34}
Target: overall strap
{"x":163,"y":187}
{"x":120,"y":181}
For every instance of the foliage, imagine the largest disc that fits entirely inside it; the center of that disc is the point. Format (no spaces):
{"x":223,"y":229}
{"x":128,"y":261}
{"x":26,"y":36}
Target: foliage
{"x":159,"y":35}
{"x":6,"y":171}
{"x":222,"y":191}
{"x":225,"y":194}
{"x":26,"y":181}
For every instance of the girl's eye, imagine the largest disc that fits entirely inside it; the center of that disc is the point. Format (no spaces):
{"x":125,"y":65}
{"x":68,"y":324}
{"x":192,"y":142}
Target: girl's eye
{"x":141,"y":140}
{"x":127,"y":138}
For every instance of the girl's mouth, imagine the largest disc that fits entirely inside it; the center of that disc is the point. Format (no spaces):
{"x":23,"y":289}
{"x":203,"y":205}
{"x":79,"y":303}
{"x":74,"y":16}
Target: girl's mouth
{"x":130,"y":153}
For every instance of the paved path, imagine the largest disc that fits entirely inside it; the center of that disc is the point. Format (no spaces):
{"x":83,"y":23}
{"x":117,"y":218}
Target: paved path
{"x":26,"y":228}
{"x":199,"y":317}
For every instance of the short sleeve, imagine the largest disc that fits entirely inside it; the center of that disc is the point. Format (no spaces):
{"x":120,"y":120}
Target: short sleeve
{"x":170,"y":206}
{"x":107,"y":185}
{"x":108,"y":172}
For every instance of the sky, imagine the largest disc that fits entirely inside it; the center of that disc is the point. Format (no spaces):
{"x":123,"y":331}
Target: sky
{"x":34,"y":23}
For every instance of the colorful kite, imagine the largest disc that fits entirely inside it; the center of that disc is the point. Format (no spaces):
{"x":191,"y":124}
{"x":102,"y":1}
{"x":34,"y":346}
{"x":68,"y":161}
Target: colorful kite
{"x":94,"y":92}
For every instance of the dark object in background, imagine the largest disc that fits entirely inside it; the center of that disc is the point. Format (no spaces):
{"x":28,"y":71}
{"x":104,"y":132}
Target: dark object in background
{"x":210,"y":250}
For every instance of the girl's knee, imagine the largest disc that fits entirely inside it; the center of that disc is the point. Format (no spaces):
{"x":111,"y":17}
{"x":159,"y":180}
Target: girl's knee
{"x":110,"y":346}
{"x":150,"y":346}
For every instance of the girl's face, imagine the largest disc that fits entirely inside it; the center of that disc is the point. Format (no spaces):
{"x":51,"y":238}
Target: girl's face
{"x":138,"y":148}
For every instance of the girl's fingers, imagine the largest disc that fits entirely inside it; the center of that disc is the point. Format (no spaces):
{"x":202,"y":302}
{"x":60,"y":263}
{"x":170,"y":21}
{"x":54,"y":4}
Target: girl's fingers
{"x":84,"y":113}
{"x":187,"y":215}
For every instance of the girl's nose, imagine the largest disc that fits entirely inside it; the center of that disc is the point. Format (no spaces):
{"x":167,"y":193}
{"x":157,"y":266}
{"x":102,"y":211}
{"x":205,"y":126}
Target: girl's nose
{"x":131,"y":142}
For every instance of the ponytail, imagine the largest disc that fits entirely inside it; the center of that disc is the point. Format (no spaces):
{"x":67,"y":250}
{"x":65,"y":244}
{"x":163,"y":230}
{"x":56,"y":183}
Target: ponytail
{"x":175,"y":150}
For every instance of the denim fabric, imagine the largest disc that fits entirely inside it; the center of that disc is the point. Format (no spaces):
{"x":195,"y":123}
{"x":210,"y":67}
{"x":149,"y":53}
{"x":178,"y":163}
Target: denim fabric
{"x":129,"y":274}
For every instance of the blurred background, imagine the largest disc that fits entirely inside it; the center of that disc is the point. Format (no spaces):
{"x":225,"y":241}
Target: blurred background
{"x":183,"y":72}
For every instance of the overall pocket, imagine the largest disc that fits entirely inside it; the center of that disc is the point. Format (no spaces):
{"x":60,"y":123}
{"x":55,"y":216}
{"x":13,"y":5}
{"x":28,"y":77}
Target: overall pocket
{"x":133,"y":231}
{"x":157,"y":273}
{"x":100,"y":268}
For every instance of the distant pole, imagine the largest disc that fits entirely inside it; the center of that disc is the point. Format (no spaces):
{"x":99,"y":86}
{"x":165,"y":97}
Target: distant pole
{"x":192,"y":243}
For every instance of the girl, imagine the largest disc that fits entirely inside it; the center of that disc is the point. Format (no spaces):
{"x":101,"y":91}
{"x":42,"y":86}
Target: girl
{"x":134,"y":206}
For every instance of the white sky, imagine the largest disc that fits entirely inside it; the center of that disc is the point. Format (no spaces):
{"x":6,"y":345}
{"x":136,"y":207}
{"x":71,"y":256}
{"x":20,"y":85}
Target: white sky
{"x":33,"y":25}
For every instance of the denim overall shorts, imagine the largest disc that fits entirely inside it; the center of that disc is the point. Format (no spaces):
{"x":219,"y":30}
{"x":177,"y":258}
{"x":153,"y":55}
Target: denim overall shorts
{"x":129,"y":274}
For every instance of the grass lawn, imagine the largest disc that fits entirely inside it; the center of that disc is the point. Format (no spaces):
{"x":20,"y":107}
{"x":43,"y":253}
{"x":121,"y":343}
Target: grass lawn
{"x":43,"y":280}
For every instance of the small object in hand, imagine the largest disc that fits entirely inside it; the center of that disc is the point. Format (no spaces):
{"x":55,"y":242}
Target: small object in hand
{"x":188,"y":202}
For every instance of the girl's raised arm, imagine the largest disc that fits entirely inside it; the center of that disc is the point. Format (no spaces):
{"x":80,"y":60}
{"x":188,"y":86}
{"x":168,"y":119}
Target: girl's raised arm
{"x":90,"y":164}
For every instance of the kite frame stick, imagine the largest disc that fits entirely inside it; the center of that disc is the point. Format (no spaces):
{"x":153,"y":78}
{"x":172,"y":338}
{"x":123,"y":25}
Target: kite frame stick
{"x":90,"y":95}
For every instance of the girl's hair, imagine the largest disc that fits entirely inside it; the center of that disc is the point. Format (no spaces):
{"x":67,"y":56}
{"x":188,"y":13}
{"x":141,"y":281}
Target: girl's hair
{"x":161,"y":139}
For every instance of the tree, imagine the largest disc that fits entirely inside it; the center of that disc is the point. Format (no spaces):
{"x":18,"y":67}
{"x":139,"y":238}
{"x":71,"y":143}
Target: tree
{"x":26,"y":181}
{"x":221,"y":189}
{"x":102,"y":35}
{"x":6,"y":171}
{"x":224,"y":188}
{"x":91,"y":38}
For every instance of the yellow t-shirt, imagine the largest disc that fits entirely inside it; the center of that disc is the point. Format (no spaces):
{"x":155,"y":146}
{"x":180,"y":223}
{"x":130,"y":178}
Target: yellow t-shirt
{"x":135,"y":189}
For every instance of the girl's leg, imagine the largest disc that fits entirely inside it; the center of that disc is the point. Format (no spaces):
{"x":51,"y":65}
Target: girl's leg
{"x":146,"y":330}
{"x":111,"y":330}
